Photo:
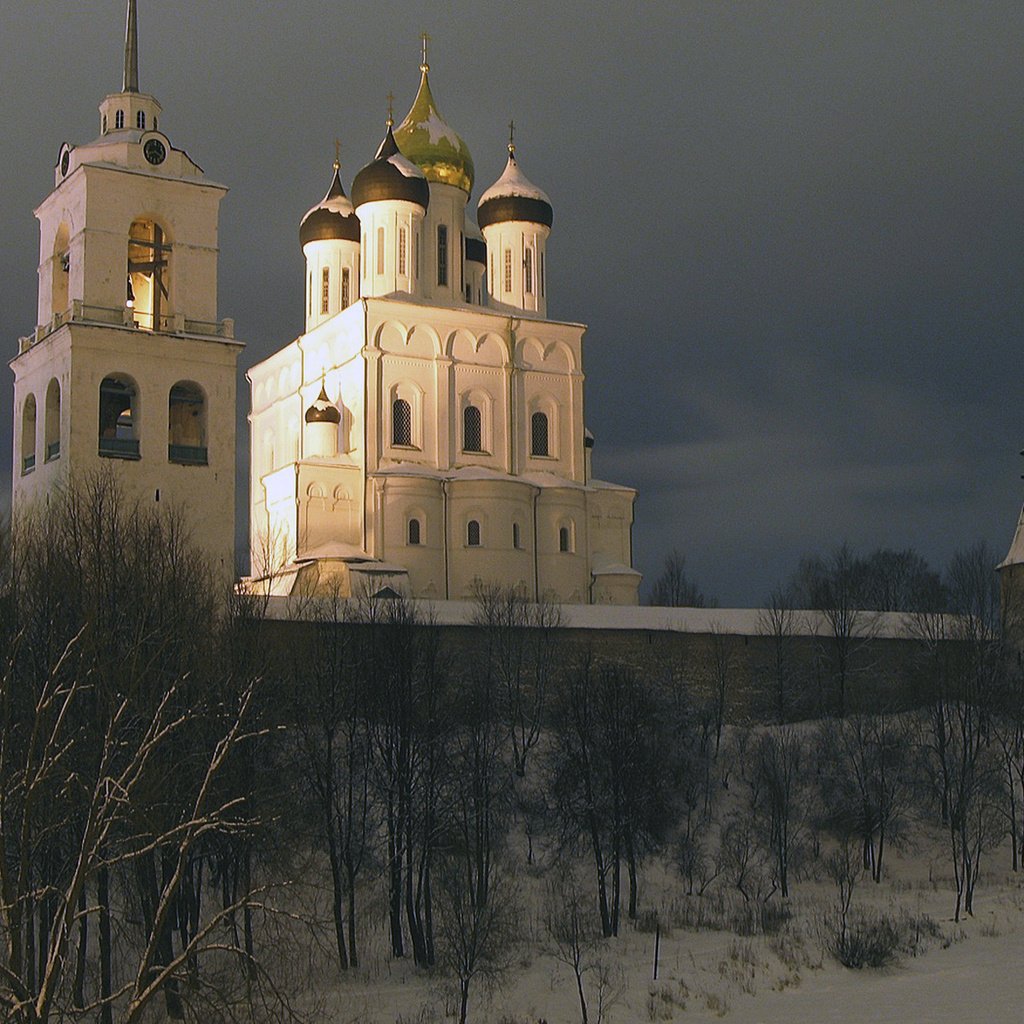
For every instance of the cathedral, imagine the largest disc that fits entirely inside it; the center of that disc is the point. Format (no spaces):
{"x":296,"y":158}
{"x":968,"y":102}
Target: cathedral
{"x":425,"y":433}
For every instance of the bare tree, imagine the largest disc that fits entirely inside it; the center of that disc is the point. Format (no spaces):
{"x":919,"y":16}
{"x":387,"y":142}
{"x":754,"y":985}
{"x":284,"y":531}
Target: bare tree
{"x":479,"y":939}
{"x":778,"y":622}
{"x":674,"y":589}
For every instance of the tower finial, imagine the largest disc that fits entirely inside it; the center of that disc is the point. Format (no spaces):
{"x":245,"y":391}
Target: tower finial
{"x":511,"y":138}
{"x":424,"y":39}
{"x":131,"y":50}
{"x":391,"y":110}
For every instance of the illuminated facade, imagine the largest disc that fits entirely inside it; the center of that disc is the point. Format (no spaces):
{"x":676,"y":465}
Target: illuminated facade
{"x":128,"y":367}
{"x":426,"y":432}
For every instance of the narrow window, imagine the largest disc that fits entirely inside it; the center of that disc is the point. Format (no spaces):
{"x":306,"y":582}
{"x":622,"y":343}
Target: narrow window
{"x":542,"y":275}
{"x":52,"y":429}
{"x":528,"y":272}
{"x":325,"y":291}
{"x":508,"y":270}
{"x":104,"y":124}
{"x":346,"y":288}
{"x":402,"y":252}
{"x":472,"y":429}
{"x":414,"y":531}
{"x":473,"y":534}
{"x":28,"y":435}
{"x":119,"y":120}
{"x":462,"y":260}
{"x":417,"y":243}
{"x":310,"y":293}
{"x":516,"y":539}
{"x":401,"y":423}
{"x":380,"y":250}
{"x":148,"y":274}
{"x":563,"y":539}
{"x":469,"y":293}
{"x":492,"y":279}
{"x":186,"y":425}
{"x":539,"y":434}
{"x":140,"y":120}
{"x":442,"y":254}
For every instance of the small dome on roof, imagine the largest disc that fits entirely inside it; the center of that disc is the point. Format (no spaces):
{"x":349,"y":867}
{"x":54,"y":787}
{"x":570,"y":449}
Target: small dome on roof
{"x":390,"y":176}
{"x":514,"y":197}
{"x":430,"y":142}
{"x":323,"y":410}
{"x":333,"y":218}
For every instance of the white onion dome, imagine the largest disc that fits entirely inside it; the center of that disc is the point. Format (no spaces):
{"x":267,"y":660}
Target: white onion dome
{"x":513,"y":197}
{"x":390,"y":176}
{"x":332,"y":219}
{"x":431,"y":143}
{"x":323,"y":410}
{"x":476,"y":247}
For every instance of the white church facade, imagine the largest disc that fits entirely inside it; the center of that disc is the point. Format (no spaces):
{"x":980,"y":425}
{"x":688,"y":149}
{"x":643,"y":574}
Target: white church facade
{"x":425,"y":433}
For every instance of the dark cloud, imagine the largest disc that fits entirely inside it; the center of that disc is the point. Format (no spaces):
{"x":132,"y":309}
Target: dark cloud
{"x":794,"y":228}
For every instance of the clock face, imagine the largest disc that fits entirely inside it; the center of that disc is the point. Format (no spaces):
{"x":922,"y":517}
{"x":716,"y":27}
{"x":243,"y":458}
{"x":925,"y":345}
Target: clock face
{"x":155,"y":152}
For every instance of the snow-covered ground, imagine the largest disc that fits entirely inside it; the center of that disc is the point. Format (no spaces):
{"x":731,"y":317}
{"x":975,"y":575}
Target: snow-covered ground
{"x":968,"y":971}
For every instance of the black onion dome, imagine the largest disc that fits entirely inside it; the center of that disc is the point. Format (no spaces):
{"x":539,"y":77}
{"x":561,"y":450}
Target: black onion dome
{"x":476,"y":250}
{"x":332,"y":219}
{"x":513,"y":197}
{"x":323,"y":410}
{"x":390,"y":176}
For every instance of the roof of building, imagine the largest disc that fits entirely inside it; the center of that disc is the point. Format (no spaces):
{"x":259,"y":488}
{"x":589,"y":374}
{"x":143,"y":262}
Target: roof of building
{"x":390,"y":176}
{"x":513,"y":197}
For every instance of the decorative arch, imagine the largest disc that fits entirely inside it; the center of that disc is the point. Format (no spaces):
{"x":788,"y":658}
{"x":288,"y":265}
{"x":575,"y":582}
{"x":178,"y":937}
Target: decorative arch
{"x":51,"y":430}
{"x":120,"y":417}
{"x":186,"y":424}
{"x":567,"y":536}
{"x":530,"y":354}
{"x":415,"y":527}
{"x":28,"y":434}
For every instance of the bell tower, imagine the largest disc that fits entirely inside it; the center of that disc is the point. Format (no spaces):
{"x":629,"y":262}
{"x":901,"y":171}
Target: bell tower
{"x":129,"y":367}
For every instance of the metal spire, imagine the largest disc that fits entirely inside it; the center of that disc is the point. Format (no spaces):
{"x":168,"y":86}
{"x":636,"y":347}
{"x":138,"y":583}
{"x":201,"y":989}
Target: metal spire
{"x":131,"y":50}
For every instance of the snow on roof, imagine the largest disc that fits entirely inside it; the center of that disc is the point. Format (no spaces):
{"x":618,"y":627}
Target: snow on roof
{"x":1015,"y":556}
{"x":407,"y":167}
{"x":514,"y":183}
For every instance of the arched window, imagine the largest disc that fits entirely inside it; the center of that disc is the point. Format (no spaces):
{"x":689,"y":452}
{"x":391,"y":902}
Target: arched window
{"x":186,"y":425}
{"x":52,"y":429}
{"x":517,"y":540}
{"x":401,"y":423}
{"x":310,"y":293}
{"x":103,"y":127}
{"x":414,"y":532}
{"x":148,"y":273}
{"x":140,"y":120}
{"x":508,"y":270}
{"x":442,"y":254}
{"x":403,"y":257}
{"x":119,"y":418}
{"x":346,"y":288}
{"x":61,"y":268}
{"x":473,"y":533}
{"x":472,"y":429}
{"x":325,"y":291}
{"x":539,"y":434}
{"x":528,"y":272}
{"x":564,"y":539}
{"x":119,"y":120}
{"x":28,"y":435}
{"x":380,"y":250}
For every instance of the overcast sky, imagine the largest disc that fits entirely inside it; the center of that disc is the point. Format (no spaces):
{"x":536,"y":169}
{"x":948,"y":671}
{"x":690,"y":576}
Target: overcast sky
{"x":795,"y":229}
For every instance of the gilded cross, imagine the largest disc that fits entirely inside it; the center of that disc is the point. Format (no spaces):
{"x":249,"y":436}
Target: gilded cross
{"x":424,"y":39}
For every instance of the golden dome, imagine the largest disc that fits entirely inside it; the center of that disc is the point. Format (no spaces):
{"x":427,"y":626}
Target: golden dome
{"x":425,"y":138}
